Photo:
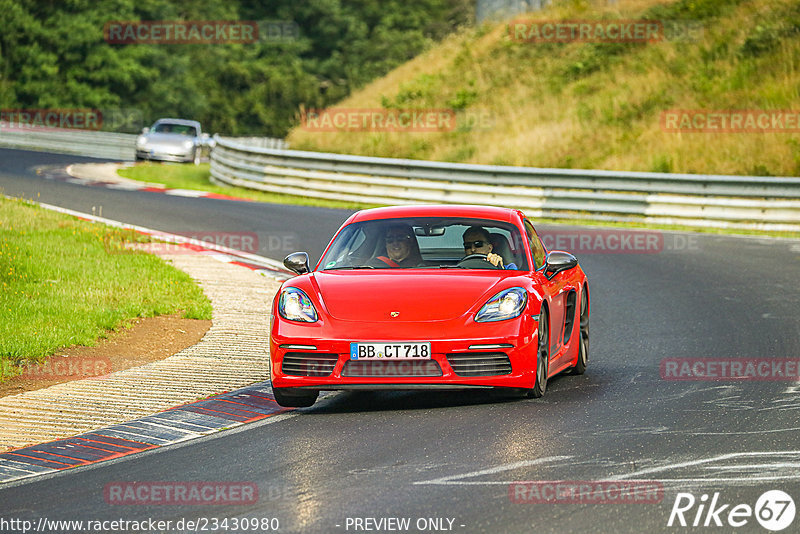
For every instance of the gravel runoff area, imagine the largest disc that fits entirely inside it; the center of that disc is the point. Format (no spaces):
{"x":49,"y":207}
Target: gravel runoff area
{"x":232,"y":354}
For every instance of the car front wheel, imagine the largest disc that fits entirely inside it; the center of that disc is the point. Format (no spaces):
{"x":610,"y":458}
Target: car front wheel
{"x":583,"y":349}
{"x":542,"y":357}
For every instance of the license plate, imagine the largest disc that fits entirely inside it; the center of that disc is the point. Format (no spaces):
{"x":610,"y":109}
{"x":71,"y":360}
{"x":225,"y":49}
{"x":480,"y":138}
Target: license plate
{"x":395,"y":350}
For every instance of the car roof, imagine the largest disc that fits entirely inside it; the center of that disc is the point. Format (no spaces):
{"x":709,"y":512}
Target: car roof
{"x":436,"y":210}
{"x":183,"y":122}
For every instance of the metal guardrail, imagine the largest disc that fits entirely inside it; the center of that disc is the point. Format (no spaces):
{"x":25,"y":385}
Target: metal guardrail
{"x":98,"y":144}
{"x":764,"y":203}
{"x":263,"y":142}
{"x":90,"y":143}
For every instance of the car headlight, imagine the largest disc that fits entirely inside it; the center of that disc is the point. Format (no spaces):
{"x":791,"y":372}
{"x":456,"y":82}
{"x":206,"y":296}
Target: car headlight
{"x":188,"y":144}
{"x":295,"y":305}
{"x":507,"y":304}
{"x":141,"y":142}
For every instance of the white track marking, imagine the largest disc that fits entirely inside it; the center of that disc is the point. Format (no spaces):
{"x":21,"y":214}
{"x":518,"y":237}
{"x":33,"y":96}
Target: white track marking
{"x":693,"y":463}
{"x":457,"y":479}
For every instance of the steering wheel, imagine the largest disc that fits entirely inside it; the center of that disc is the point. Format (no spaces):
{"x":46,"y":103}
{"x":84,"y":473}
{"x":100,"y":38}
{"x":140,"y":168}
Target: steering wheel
{"x":476,"y":261}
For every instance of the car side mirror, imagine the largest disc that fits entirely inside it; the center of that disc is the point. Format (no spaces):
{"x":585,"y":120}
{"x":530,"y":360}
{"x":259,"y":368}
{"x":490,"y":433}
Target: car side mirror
{"x":297,"y":262}
{"x":557,"y":261}
{"x":145,"y":130}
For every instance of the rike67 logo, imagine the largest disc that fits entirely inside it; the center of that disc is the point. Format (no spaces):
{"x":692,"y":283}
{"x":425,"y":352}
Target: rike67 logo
{"x":774,"y":510}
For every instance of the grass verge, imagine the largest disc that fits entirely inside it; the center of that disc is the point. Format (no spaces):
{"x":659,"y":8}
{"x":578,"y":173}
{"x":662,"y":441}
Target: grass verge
{"x":198,"y":178}
{"x":67,"y":282}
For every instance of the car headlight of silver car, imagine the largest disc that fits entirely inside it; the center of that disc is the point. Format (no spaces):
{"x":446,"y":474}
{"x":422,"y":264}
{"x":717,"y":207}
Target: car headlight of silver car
{"x":295,"y":305}
{"x":141,"y":141}
{"x":187,"y":145}
{"x":507,"y":304}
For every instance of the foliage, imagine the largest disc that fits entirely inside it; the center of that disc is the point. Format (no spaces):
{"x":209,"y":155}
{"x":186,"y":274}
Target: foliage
{"x":54,"y":55}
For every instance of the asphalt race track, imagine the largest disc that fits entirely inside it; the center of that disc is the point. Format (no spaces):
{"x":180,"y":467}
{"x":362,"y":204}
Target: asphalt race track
{"x":445,"y":461}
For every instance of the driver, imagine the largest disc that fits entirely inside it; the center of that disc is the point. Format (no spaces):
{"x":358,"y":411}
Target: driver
{"x":476,"y":241}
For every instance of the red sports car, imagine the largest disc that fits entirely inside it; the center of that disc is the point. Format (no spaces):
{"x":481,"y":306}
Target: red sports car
{"x":429,"y":297}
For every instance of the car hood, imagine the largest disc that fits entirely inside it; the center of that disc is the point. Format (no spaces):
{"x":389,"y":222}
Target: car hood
{"x":415,"y":296}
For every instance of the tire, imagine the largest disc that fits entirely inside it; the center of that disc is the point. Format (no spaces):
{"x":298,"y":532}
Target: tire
{"x":542,"y":356}
{"x":295,"y":398}
{"x":583,"y":352}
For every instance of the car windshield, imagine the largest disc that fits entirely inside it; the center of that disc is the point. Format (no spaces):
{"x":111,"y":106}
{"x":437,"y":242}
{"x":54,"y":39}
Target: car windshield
{"x":180,"y":129}
{"x":425,"y":243}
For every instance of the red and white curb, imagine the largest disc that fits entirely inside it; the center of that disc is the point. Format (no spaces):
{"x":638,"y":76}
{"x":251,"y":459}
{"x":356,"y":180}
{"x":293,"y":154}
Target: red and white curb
{"x":178,"y":424}
{"x":64,"y":174}
{"x":182,"y":423}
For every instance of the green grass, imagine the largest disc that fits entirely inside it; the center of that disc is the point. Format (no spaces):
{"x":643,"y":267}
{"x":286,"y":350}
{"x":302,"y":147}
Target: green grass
{"x":67,"y":282}
{"x":198,"y":177}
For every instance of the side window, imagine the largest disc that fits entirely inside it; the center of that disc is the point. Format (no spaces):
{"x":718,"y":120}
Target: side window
{"x":537,"y":249}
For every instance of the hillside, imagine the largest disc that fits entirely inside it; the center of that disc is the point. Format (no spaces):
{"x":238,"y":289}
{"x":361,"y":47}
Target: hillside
{"x":70,"y":54}
{"x":599,"y":105}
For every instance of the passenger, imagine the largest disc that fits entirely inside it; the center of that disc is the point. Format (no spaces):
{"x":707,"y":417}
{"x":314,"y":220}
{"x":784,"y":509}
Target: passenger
{"x":402,"y":249}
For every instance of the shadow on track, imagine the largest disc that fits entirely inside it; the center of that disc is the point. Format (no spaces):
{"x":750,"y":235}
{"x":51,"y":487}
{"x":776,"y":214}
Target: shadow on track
{"x":393,"y":400}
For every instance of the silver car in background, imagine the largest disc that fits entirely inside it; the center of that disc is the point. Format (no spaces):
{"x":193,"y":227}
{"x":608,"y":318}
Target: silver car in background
{"x":173,"y":140}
